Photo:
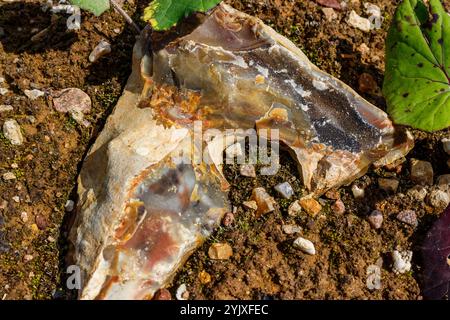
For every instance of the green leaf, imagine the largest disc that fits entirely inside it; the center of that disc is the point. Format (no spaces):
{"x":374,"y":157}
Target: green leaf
{"x":97,"y":7}
{"x":164,"y":14}
{"x":417,"y":82}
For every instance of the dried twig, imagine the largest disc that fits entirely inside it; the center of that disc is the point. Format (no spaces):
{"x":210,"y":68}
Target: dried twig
{"x":125,"y":15}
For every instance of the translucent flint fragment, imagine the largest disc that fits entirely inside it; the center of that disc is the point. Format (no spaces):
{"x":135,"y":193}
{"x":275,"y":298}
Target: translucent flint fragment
{"x":146,"y":202}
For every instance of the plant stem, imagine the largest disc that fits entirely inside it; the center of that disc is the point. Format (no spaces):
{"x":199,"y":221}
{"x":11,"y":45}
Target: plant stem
{"x":125,"y":15}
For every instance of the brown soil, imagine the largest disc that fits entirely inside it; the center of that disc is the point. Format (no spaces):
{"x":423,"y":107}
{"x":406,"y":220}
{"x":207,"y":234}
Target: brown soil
{"x":264,"y":264}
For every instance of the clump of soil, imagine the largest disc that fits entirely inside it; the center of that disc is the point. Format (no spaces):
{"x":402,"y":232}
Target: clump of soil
{"x":264,"y":264}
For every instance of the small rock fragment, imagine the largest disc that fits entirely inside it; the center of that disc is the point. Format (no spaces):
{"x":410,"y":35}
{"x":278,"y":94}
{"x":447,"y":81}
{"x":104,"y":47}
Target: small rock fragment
{"x":3,"y":204}
{"x":182,"y":293}
{"x":373,"y":281}
{"x":16,"y":199}
{"x":443,"y":180}
{"x":375,"y":219}
{"x":220,"y":251}
{"x":228,"y":219}
{"x":439,"y":199}
{"x":285,"y":190}
{"x":409,"y":217}
{"x":310,"y":205}
{"x":24,"y":217}
{"x":338,"y":207}
{"x":418,"y":193}
{"x":3,"y":91}
{"x":69,"y":206}
{"x":291,"y":229}
{"x":401,"y":261}
{"x":12,"y":132}
{"x":162,"y":294}
{"x":263,"y":200}
{"x":73,"y":101}
{"x":359,"y":22}
{"x":33,"y":94}
{"x":204,"y":277}
{"x":250,"y":205}
{"x":248,"y":170}
{"x":421,"y":172}
{"x":305,"y":245}
{"x":330,"y":14}
{"x":103,"y":48}
{"x":41,"y":222}
{"x":28,"y":257}
{"x":446,"y":144}
{"x":388,"y":185}
{"x":330,"y":4}
{"x":295,"y":208}
{"x":6,"y":108}
{"x":358,"y":191}
{"x":9,"y":176}
{"x":333,"y":194}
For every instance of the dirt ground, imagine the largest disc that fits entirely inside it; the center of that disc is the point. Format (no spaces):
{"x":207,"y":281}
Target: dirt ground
{"x":264,"y":264}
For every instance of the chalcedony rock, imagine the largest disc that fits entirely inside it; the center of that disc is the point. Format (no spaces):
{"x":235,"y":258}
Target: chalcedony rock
{"x":146,"y":202}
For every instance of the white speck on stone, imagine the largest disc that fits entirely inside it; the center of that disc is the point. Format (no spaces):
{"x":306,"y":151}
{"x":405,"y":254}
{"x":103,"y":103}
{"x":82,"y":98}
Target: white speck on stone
{"x":9,"y":176}
{"x":6,"y":108}
{"x":33,"y":94}
{"x":320,"y":85}
{"x":182,"y":293}
{"x":359,"y":22}
{"x":285,"y":190}
{"x":358,"y":191}
{"x":373,"y":281}
{"x":299,"y":89}
{"x":11,"y":131}
{"x":263,"y":71}
{"x":291,"y":229}
{"x":103,"y":48}
{"x":305,"y":245}
{"x":401,"y":261}
{"x":69,"y":206}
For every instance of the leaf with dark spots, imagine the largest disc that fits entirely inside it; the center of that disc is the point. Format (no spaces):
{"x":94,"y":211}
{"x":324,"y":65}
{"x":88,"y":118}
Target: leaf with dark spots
{"x":417,"y":61}
{"x":436,"y":256}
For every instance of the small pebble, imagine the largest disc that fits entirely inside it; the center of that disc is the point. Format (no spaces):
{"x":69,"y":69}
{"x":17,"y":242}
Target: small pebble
{"x":285,"y":190}
{"x":28,"y":257}
{"x":409,"y":217}
{"x":220,"y":251}
{"x":291,"y":229}
{"x":373,"y":281}
{"x":333,"y":194}
{"x":330,"y":4}
{"x":358,"y":191}
{"x":359,"y":22}
{"x":204,"y":277}
{"x":41,"y":222}
{"x":3,"y":204}
{"x":446,"y":145}
{"x":418,"y":193}
{"x":310,"y":205}
{"x":248,"y":170}
{"x":439,"y":199}
{"x":228,"y":219}
{"x":69,"y":206}
{"x":401,"y":261}
{"x":12,"y":132}
{"x":75,"y":102}
{"x":162,"y":294}
{"x":103,"y":48}
{"x":421,"y":172}
{"x":375,"y":219}
{"x":3,"y":91}
{"x":33,"y":94}
{"x":295,"y":208}
{"x":338,"y":207}
{"x":9,"y":176}
{"x":182,"y":293}
{"x":24,"y":217}
{"x":443,"y":180}
{"x":305,"y":245}
{"x":263,"y":200}
{"x":388,"y":185}
{"x":6,"y":108}
{"x":330,"y":14}
{"x":367,"y":83}
{"x":16,"y":199}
